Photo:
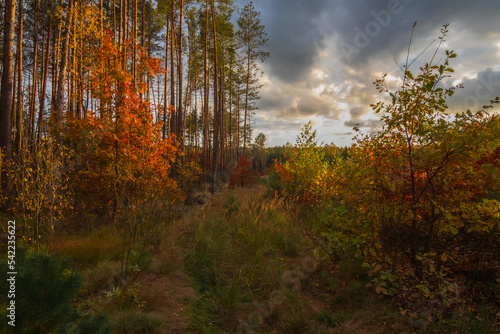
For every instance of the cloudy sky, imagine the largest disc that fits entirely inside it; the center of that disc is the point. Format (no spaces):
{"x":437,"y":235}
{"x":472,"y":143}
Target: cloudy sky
{"x":325,"y":55}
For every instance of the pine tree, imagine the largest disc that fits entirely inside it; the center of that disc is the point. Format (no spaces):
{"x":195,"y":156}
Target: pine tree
{"x":252,"y":36}
{"x":44,"y":290}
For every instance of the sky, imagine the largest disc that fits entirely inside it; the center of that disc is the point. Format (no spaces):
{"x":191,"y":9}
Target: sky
{"x":326,"y":54}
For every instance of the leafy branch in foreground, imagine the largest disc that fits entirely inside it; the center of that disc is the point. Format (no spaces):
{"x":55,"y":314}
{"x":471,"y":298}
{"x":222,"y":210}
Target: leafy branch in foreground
{"x":407,"y":172}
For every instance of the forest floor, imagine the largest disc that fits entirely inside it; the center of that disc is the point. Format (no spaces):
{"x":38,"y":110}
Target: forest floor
{"x":266,"y":277}
{"x":239,"y":263}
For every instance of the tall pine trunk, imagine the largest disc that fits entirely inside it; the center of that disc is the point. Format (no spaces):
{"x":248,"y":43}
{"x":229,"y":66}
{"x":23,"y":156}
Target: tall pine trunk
{"x":34,"y":87}
{"x":165,"y":87}
{"x":45,"y":75}
{"x":173,"y":117}
{"x":247,"y":91}
{"x":206,"y":151}
{"x":19,"y":98}
{"x":7,"y":85}
{"x":180,"y":113}
{"x":61,"y":80}
{"x":216,"y":123}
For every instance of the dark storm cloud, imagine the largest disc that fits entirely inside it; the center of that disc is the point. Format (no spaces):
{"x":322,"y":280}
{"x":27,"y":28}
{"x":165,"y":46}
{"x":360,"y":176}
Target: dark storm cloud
{"x":292,"y":107}
{"x":476,"y":92}
{"x":373,"y":28}
{"x":308,"y":106}
{"x":295,"y":39}
{"x":364,"y":29}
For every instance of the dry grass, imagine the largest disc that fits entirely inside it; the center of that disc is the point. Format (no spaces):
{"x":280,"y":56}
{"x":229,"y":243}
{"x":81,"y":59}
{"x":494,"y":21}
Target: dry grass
{"x":168,"y":296}
{"x":100,"y":277}
{"x":134,"y":321}
{"x":165,"y":288}
{"x":101,"y":245}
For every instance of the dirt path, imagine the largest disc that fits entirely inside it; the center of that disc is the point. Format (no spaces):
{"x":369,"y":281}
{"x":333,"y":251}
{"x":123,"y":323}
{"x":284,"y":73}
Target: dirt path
{"x":166,"y":287}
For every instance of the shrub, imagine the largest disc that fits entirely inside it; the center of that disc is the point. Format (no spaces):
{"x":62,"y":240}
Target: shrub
{"x":304,"y":176}
{"x":190,"y":175}
{"x":40,"y":192}
{"x":243,"y":174}
{"x":415,"y":184}
{"x":44,"y":290}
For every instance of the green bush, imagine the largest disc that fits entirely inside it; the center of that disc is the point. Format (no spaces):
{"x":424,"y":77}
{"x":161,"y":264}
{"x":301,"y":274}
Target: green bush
{"x":44,"y":290}
{"x":304,"y":175}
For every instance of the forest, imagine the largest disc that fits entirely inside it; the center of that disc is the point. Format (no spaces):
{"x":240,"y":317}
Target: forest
{"x":136,"y":197}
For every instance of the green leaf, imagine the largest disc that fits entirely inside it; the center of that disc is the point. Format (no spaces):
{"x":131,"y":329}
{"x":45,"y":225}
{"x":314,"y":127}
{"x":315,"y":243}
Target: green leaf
{"x":453,"y":230}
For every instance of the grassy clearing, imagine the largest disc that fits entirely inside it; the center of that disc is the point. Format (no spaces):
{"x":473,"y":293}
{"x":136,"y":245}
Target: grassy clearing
{"x":239,"y":252}
{"x":252,"y":270}
{"x":243,"y":263}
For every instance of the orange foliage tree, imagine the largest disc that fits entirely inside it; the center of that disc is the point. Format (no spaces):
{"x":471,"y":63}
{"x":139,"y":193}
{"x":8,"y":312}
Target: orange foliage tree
{"x":120,"y":157}
{"x":242,"y":174}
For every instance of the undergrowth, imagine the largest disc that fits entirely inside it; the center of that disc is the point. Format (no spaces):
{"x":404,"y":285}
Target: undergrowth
{"x":245,"y":263}
{"x":254,"y":270}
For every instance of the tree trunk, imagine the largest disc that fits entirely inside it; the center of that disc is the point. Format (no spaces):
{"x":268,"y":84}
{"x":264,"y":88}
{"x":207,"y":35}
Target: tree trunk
{"x":19,"y":99}
{"x":45,"y":72}
{"x":230,"y":109}
{"x":247,"y":90}
{"x":134,"y":44}
{"x":238,"y":121}
{"x":165,"y":87}
{"x":59,"y":102}
{"x":173,"y":116}
{"x":124,"y":29}
{"x":114,"y":18}
{"x":101,"y":17}
{"x":79,"y":100}
{"x":206,"y":152}
{"x":216,"y":109}
{"x":196,"y":142}
{"x":120,"y":26}
{"x":34,"y":90}
{"x":7,"y":86}
{"x":180,"y":113}
{"x":222,"y":103}
{"x":143,"y":28}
